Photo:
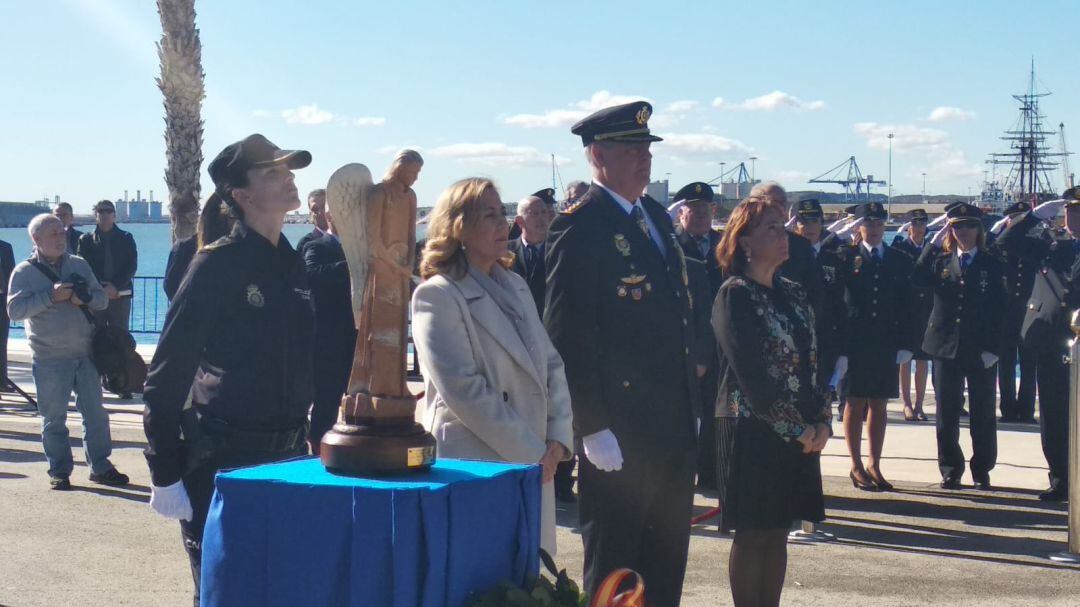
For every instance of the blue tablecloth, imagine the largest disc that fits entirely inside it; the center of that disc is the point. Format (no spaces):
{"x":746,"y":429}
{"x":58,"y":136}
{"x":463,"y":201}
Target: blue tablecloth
{"x":294,"y":534}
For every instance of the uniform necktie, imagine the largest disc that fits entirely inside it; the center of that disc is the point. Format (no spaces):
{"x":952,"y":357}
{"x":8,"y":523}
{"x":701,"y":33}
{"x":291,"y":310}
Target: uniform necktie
{"x":875,"y":255}
{"x":530,"y":256}
{"x":639,"y":217}
{"x":703,"y":246}
{"x":965,"y":260}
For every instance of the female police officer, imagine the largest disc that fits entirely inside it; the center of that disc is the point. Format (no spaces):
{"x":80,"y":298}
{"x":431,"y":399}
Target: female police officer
{"x":237,"y":342}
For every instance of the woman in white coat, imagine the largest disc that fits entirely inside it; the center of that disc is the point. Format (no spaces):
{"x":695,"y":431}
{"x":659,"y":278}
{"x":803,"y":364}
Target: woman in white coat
{"x":495,"y":386}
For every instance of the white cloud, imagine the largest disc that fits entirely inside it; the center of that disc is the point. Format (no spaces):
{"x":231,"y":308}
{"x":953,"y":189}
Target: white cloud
{"x":394,"y":149}
{"x":568,"y":116}
{"x":933,"y":146}
{"x":769,"y":102}
{"x":496,"y":154}
{"x":945,"y":113}
{"x":700,"y":144}
{"x":311,"y":115}
{"x":791,"y":177}
{"x":681,"y":106}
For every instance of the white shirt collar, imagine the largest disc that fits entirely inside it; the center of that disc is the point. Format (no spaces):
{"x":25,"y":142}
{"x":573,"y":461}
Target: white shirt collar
{"x":624,"y":203}
{"x":817,"y":246}
{"x":880,"y":248}
{"x":972,"y":253}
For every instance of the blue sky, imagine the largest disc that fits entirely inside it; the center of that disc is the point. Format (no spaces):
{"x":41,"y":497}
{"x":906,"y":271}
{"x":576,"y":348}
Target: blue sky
{"x":490,"y":88}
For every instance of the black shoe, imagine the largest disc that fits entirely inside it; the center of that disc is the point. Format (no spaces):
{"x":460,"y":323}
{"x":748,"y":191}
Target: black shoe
{"x":59,"y":483}
{"x":112,"y":478}
{"x":1008,"y":419}
{"x":1028,"y":420}
{"x":565,"y":495}
{"x":1055,"y":494}
{"x":950,"y":483}
{"x":860,"y":485}
{"x":982,"y":482}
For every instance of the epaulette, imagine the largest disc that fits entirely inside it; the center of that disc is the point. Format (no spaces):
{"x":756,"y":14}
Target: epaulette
{"x":219,"y":243}
{"x":577,"y":206}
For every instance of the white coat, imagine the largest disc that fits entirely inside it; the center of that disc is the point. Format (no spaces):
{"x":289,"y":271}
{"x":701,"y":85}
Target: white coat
{"x":484,"y":397}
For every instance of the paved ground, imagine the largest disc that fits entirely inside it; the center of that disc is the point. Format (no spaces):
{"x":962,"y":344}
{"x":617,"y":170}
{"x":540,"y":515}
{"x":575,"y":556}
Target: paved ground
{"x":916,"y":546}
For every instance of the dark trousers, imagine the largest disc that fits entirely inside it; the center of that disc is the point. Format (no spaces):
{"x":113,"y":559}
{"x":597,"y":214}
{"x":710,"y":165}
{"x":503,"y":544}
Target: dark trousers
{"x":1053,"y":377}
{"x":118,"y":314}
{"x":199,"y":483}
{"x":5,"y":329}
{"x":639,"y":517}
{"x":331,"y":381}
{"x":1013,"y":405}
{"x":949,"y":379}
{"x":706,"y":462}
{"x":564,"y":475}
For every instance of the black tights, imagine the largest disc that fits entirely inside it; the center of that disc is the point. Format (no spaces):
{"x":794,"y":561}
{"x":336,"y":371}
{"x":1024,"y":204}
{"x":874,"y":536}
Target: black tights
{"x":756,"y":567}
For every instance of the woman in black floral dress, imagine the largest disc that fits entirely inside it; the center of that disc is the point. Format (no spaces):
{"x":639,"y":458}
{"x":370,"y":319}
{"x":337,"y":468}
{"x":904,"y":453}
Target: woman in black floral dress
{"x":768,"y":380}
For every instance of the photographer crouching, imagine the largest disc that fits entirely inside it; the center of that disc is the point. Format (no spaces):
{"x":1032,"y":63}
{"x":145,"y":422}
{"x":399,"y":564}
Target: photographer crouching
{"x":58,"y":319}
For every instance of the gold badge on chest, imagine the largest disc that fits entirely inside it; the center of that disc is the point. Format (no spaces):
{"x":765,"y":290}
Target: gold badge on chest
{"x":622,"y":245}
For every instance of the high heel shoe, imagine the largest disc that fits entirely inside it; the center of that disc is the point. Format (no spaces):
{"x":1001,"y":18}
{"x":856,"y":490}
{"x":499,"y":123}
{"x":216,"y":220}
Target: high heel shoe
{"x":909,"y":414}
{"x":879,"y":481}
{"x":860,"y":485}
{"x":921,"y":416}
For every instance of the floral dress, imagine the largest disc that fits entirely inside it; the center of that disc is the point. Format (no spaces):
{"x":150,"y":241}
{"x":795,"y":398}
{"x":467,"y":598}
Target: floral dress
{"x":768,"y":382}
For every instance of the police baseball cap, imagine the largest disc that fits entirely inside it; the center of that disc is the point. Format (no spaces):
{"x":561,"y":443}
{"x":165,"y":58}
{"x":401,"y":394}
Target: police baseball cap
{"x":963,"y":212}
{"x":252,"y":152}
{"x":871,"y":210}
{"x":809,"y":208}
{"x":917,"y":215}
{"x":627,"y":123}
{"x":695,"y":192}
{"x":546,"y":194}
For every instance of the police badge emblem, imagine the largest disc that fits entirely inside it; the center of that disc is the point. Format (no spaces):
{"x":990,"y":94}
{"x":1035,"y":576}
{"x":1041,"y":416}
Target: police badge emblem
{"x":622,"y":245}
{"x":830,"y":274}
{"x":643,"y":115}
{"x":858,"y":263}
{"x":945,"y":273}
{"x":255,"y":296}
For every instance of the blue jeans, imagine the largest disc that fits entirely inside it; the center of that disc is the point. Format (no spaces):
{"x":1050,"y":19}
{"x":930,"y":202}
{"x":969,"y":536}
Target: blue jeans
{"x":55,"y":379}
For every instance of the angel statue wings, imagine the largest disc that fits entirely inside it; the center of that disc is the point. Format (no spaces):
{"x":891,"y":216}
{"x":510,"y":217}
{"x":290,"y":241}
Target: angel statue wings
{"x":377,"y":227}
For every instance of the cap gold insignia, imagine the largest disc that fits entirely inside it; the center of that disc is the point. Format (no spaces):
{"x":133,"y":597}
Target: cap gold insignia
{"x":697,"y":188}
{"x":622,"y":245}
{"x":255,"y":296}
{"x":643,"y":115}
{"x":945,"y":273}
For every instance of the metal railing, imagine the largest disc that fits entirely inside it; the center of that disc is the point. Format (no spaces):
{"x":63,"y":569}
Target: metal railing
{"x":148,"y":305}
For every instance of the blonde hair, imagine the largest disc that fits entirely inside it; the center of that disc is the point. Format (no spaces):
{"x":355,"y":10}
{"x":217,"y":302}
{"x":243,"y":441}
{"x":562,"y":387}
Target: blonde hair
{"x":951,"y":245}
{"x":455,"y":212}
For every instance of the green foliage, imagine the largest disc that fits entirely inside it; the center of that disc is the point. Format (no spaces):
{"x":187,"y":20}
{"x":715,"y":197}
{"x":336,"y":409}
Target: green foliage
{"x":563,"y":592}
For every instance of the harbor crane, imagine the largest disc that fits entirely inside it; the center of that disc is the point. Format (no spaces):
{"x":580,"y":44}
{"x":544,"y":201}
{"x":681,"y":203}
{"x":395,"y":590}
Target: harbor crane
{"x":1065,"y":153}
{"x":848,"y":174}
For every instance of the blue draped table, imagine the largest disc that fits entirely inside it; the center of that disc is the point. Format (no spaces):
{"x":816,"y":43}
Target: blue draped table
{"x":292,"y":534}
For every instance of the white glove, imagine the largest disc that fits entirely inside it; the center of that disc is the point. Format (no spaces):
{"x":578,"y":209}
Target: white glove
{"x":791,"y":222}
{"x":903,"y":356}
{"x":849,"y":228}
{"x":838,"y":372}
{"x":939,"y":237}
{"x":834,"y":226}
{"x":999,"y":225}
{"x":1048,"y":210}
{"x":988,"y":359}
{"x":904,"y":229}
{"x":938,"y":220}
{"x":602,"y":449}
{"x":171,"y":501}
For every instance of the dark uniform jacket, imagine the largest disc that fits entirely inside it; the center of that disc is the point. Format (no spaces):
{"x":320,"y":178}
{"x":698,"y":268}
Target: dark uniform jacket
{"x":535,"y":275}
{"x":968,"y":306}
{"x":7,"y":266}
{"x":306,"y":238}
{"x":922,"y":298}
{"x":180,"y":256}
{"x":328,"y":276}
{"x":73,"y":237}
{"x":692,"y":250}
{"x":238,"y":339}
{"x":619,"y":314}
{"x":1056,"y":286}
{"x":820,"y":275}
{"x":877,"y":302}
{"x":1019,"y":282}
{"x":125,"y":260}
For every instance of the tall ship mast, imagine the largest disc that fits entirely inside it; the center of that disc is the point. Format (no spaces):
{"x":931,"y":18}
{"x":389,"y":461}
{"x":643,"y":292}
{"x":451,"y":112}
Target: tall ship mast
{"x":1028,"y":163}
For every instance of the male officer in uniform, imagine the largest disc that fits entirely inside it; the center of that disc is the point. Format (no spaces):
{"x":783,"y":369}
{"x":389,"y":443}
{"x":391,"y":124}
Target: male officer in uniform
{"x":698,"y":239}
{"x":618,"y":312}
{"x":1019,"y":280}
{"x":1045,"y":329}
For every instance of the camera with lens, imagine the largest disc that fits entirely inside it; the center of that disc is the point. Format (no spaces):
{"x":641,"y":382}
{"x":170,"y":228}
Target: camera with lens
{"x":80,"y":287}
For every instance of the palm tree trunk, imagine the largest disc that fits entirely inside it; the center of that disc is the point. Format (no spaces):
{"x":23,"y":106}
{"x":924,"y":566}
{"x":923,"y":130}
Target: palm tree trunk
{"x":181,"y":84}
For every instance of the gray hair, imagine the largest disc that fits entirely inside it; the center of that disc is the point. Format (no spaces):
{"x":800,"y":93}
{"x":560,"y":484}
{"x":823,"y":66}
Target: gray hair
{"x":402,"y":158}
{"x":523,"y":204}
{"x":38,"y":223}
{"x":316,"y":192}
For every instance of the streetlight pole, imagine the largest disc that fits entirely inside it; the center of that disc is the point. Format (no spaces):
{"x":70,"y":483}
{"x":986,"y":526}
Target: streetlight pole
{"x":924,"y":188}
{"x":753,"y":164}
{"x":891,"y":135}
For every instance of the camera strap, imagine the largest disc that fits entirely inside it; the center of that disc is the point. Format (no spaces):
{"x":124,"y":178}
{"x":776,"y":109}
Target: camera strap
{"x":48,"y":272}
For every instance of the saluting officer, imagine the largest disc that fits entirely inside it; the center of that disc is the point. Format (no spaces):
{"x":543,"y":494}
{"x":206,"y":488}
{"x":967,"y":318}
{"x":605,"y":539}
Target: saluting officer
{"x":618,"y":312}
{"x":1019,"y":280}
{"x":922,"y":302}
{"x":963,"y":337}
{"x":237,"y":342}
{"x":1045,"y":329}
{"x":879,"y":337}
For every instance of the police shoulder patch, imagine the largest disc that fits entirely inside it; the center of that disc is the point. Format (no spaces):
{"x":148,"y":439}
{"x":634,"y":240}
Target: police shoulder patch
{"x":224,"y":241}
{"x":577,"y":206}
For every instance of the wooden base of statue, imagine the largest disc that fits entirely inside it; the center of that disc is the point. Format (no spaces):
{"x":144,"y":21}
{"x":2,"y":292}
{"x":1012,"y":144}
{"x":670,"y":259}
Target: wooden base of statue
{"x":377,"y":436}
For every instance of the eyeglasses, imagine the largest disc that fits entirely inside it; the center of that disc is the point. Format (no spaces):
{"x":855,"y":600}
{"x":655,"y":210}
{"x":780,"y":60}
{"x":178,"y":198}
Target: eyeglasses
{"x":105,"y":211}
{"x":967,"y":225}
